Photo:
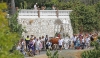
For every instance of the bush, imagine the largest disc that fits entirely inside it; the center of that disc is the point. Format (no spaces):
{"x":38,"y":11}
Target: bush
{"x":92,"y":53}
{"x":50,"y":55}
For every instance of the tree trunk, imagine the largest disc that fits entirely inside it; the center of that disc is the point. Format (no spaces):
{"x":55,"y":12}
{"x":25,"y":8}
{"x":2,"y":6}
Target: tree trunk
{"x":13,"y":10}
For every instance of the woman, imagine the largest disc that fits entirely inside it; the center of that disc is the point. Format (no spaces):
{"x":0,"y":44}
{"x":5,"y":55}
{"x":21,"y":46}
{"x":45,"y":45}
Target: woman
{"x":77,"y":45}
{"x":31,"y":47}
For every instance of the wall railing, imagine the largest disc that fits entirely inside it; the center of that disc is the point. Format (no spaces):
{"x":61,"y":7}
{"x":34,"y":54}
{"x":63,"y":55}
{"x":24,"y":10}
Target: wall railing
{"x":44,"y":13}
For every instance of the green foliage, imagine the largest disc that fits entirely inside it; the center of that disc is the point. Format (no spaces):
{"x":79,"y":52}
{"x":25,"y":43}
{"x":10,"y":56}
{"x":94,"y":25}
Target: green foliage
{"x":13,"y":24}
{"x":54,"y":2}
{"x":4,"y":6}
{"x":95,"y":44}
{"x":97,"y":15}
{"x":92,"y":53}
{"x":23,"y":5}
{"x":83,"y":18}
{"x":50,"y":55}
{"x":7,"y":39}
{"x":99,"y":38}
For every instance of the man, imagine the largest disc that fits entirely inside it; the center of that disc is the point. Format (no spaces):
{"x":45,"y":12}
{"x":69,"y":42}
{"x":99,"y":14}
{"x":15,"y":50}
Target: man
{"x":27,"y":41}
{"x":38,"y":46}
{"x":60,"y":42}
{"x":46,"y":39}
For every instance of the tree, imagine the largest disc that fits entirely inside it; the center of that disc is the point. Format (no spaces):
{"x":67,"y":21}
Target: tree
{"x":7,"y":39}
{"x":97,"y":16}
{"x":82,"y":18}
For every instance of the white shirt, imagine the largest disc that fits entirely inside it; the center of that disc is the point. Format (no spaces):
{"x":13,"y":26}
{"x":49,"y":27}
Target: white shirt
{"x":60,"y":42}
{"x":87,"y":40}
{"x":35,"y":7}
{"x":38,"y":43}
{"x":74,"y":38}
{"x":48,"y":43}
{"x":43,"y":39}
{"x":18,"y":47}
{"x":83,"y":40}
{"x":34,"y":41}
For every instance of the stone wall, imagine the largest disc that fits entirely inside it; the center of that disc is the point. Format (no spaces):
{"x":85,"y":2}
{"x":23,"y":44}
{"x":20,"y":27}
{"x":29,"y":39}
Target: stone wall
{"x":45,"y":26}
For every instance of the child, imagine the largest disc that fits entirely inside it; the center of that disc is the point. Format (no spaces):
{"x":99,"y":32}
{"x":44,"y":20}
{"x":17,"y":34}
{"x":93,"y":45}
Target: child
{"x":48,"y":45}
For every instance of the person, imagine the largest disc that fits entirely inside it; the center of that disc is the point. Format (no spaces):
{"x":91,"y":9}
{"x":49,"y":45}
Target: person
{"x":43,"y":42}
{"x":43,"y":7}
{"x":70,"y":42}
{"x":66,"y":42}
{"x":53,"y":7}
{"x":60,"y":43}
{"x":32,"y":36}
{"x":46,"y":39}
{"x":48,"y":45}
{"x":27,"y":42}
{"x":77,"y":44}
{"x":35,"y":38}
{"x":87,"y":42}
{"x":35,"y":6}
{"x":34,"y":41}
{"x":38,"y":46}
{"x":31,"y":47}
{"x":74,"y":40}
{"x":18,"y":46}
{"x":83,"y":43}
{"x":21,"y":46}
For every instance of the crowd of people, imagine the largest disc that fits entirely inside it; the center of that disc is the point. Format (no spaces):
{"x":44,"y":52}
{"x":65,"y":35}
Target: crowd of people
{"x":35,"y":45}
{"x":83,"y":41}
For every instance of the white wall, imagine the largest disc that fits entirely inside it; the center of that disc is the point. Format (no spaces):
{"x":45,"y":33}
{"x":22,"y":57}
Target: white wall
{"x":45,"y":24}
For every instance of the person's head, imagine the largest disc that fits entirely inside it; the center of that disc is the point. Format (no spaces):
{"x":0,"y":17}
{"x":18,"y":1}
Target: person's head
{"x":37,"y":39}
{"x":22,"y":39}
{"x":73,"y":34}
{"x":31,"y":39}
{"x":42,"y":36}
{"x":32,"y":35}
{"x":46,"y":35}
{"x":27,"y":36}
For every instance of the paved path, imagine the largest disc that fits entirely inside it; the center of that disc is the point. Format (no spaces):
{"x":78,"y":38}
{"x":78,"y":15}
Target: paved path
{"x":69,"y":53}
